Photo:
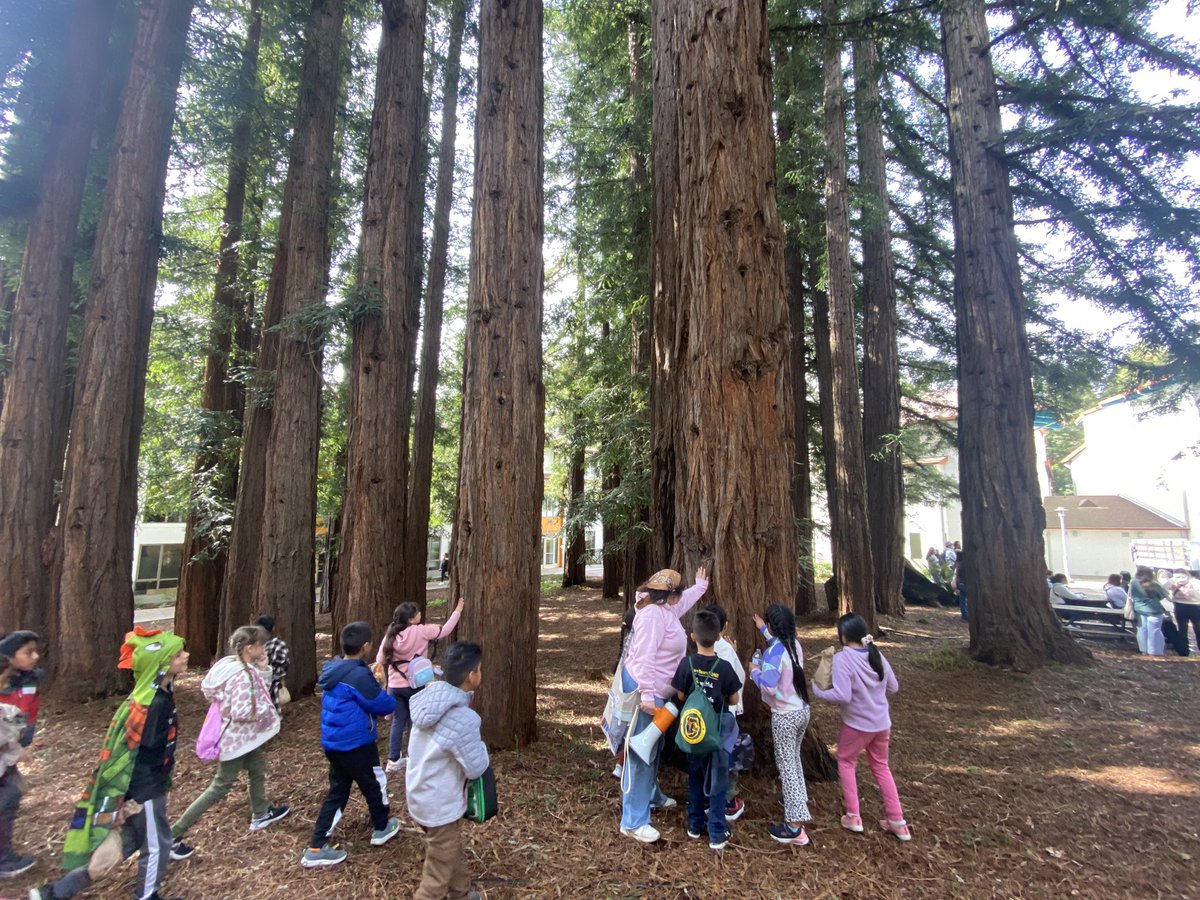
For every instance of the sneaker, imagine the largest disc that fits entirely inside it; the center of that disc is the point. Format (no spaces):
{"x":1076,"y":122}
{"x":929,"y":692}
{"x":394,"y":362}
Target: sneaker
{"x":694,"y":835}
{"x":734,"y":809}
{"x":396,"y":765}
{"x":617,"y":770}
{"x":667,"y":803}
{"x":852,"y":823}
{"x":719,"y":843}
{"x":647,"y":834}
{"x":273,"y":814}
{"x":14,"y":865}
{"x":326,"y":856}
{"x":786,"y":834}
{"x":45,"y":892}
{"x":899,"y":829}
{"x":180,"y":850}
{"x":381,"y":836}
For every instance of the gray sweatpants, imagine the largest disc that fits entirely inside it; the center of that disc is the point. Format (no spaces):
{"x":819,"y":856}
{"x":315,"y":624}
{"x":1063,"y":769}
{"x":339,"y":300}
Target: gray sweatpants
{"x":148,"y":831}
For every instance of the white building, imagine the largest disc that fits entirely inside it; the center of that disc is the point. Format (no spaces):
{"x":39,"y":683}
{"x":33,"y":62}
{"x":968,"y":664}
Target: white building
{"x":1097,"y":530}
{"x":157,"y":560}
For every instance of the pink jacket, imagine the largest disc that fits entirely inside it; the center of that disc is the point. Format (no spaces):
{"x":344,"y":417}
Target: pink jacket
{"x":247,"y":711}
{"x":413,"y":641}
{"x":659,"y":643}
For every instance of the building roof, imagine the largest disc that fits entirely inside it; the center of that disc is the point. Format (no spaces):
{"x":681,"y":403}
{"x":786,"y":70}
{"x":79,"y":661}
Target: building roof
{"x":1107,"y":512}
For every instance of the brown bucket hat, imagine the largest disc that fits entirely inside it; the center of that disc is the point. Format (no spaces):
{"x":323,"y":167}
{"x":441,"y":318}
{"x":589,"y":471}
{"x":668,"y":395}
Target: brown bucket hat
{"x":662,"y":580}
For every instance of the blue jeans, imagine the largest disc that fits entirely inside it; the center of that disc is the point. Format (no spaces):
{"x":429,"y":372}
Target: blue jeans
{"x":401,"y":719}
{"x":962,"y":602}
{"x":708,"y":779}
{"x":639,"y":780}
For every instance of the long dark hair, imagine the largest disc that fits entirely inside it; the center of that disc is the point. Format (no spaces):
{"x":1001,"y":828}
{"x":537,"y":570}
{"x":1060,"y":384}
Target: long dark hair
{"x":782,"y":623}
{"x":402,"y":617}
{"x":852,"y":628}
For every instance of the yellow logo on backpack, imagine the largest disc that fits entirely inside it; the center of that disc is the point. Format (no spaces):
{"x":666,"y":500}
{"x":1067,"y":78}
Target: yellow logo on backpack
{"x":691,"y":726}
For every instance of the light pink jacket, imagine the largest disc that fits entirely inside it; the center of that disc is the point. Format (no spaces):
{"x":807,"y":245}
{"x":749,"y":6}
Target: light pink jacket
{"x":659,"y":643}
{"x":413,"y":641}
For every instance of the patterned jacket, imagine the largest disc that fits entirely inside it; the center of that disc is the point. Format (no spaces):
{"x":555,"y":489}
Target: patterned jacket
{"x":280,"y":660}
{"x":248,"y":715}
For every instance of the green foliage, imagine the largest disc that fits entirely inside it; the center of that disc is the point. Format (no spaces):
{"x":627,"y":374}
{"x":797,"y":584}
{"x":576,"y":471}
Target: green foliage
{"x":945,"y":657}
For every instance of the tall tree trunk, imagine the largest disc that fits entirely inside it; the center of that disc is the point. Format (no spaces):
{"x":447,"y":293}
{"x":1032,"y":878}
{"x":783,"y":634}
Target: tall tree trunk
{"x":1011,"y":623}
{"x":416,"y":533}
{"x":198,"y":601}
{"x":380,"y":398}
{"x":881,"y":361}
{"x":613,"y":575}
{"x":852,"y":568}
{"x":806,"y":592}
{"x":284,"y":576}
{"x":498,"y":522}
{"x":575,"y":547}
{"x":33,"y":388}
{"x":99,"y":499}
{"x":733,"y":383}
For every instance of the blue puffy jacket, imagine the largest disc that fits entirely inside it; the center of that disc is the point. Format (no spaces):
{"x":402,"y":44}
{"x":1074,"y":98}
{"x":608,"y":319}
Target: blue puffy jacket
{"x":351,"y":701}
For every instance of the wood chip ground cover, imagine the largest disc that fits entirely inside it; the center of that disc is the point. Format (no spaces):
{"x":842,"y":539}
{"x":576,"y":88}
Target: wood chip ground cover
{"x":1061,"y":783}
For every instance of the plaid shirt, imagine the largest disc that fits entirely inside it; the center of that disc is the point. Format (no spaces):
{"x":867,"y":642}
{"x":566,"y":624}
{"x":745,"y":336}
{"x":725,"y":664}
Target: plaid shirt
{"x":279,"y":659}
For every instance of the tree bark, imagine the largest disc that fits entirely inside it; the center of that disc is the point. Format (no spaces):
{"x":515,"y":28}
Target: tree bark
{"x":380,"y":398}
{"x":421,"y":477}
{"x":198,"y":601}
{"x":498,"y":523}
{"x":574,"y":553}
{"x":733,"y":502}
{"x":613,"y":575}
{"x":99,"y":500}
{"x":1011,"y":623}
{"x":34,"y":398}
{"x":881,"y":361}
{"x":284,"y":576}
{"x":852,"y":567}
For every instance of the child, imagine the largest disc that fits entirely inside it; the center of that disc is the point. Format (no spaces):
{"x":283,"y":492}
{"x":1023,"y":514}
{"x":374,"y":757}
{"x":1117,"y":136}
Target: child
{"x":406,"y":639}
{"x":445,"y":751}
{"x":19,"y":689}
{"x":278,"y":658}
{"x":722,"y":687}
{"x":351,"y":701}
{"x":862,"y":679}
{"x":735,"y":805}
{"x":779,"y":674}
{"x":128,"y":789}
{"x":248,"y":721}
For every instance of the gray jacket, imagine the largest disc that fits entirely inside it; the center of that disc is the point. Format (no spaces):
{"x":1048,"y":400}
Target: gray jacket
{"x":444,"y":752}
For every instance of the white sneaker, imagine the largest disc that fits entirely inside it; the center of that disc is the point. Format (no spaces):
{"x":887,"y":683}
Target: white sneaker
{"x":396,"y":765}
{"x":667,"y":803}
{"x":617,"y":770}
{"x":647,"y":834}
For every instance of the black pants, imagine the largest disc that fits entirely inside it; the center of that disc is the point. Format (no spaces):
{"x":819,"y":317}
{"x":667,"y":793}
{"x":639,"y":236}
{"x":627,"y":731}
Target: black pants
{"x":347,"y":768}
{"x":11,"y":788}
{"x":1185,"y":613}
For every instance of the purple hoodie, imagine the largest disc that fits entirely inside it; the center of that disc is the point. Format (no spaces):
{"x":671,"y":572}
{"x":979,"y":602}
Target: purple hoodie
{"x":659,"y":643}
{"x":856,"y":686}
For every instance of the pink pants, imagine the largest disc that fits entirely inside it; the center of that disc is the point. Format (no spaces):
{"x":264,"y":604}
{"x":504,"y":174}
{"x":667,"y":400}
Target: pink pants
{"x":852,"y":742}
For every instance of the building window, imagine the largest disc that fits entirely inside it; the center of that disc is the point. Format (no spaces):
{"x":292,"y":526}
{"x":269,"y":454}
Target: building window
{"x":914,"y":544}
{"x":158,"y":567}
{"x":433,"y":553}
{"x":550,"y":549}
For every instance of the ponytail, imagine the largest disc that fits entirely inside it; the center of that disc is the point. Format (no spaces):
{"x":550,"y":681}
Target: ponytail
{"x":402,"y":615}
{"x":852,"y":628}
{"x":782,"y":623}
{"x":874,"y":657}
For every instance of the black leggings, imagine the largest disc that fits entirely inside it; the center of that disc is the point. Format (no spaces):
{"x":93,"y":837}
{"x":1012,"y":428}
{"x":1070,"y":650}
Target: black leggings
{"x":1185,"y":613}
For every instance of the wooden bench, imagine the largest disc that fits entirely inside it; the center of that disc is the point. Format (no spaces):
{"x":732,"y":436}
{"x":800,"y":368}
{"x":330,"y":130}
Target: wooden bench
{"x":1101,"y":622}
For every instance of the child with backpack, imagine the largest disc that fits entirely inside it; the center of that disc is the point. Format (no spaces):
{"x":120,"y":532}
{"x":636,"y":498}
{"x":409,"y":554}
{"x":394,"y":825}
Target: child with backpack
{"x":351,"y":701}
{"x":862,"y":680}
{"x":734,"y":805}
{"x":704,"y":679}
{"x":19,"y":690}
{"x":779,"y":674}
{"x":279,"y":660}
{"x":248,"y":720}
{"x":406,"y":639}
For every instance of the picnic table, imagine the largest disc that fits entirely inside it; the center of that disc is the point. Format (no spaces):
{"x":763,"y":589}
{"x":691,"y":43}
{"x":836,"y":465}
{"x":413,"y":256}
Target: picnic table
{"x":1101,"y":622}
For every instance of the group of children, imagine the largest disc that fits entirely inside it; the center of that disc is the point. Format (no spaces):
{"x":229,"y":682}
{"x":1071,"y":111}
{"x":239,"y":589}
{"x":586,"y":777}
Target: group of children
{"x":123,"y":808}
{"x":861,"y":681}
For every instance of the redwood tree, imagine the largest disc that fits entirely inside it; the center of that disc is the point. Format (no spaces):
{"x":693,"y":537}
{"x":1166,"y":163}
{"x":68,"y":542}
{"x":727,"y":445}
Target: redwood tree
{"x":283,"y":580}
{"x":197,"y":603}
{"x":1011,"y":623}
{"x":33,"y":394}
{"x":852,"y":567}
{"x":498,"y":519}
{"x":384,"y":328}
{"x":881,"y":360}
{"x":94,"y":600}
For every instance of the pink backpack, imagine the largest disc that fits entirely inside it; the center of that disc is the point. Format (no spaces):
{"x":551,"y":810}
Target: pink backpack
{"x":208,"y":743}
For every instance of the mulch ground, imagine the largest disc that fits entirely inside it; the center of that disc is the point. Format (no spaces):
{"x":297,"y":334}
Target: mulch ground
{"x":1066,"y":782}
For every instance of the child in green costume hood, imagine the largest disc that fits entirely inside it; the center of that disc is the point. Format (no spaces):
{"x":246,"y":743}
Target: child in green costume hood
{"x":135,"y":765}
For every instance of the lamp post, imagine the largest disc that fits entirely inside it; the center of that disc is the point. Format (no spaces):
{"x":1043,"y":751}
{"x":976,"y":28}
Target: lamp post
{"x":1062,"y":530}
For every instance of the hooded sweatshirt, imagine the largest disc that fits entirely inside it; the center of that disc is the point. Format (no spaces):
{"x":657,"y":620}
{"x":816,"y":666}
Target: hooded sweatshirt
{"x":413,"y":641}
{"x":248,"y":717}
{"x":659,"y":643}
{"x":445,"y":751}
{"x":351,"y":701}
{"x":856,"y":686}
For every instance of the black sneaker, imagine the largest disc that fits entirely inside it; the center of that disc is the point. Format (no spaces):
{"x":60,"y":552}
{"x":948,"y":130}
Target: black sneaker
{"x":180,"y":850}
{"x":14,"y":865}
{"x":273,"y":814}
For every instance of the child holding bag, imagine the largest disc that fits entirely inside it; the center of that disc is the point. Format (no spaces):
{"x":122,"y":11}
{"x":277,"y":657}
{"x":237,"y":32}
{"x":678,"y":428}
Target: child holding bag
{"x":862,"y":680}
{"x":248,"y":720}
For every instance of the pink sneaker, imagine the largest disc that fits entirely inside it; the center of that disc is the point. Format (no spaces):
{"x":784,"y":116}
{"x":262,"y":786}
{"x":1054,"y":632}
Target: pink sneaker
{"x":899,"y":829}
{"x":853,"y":823}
